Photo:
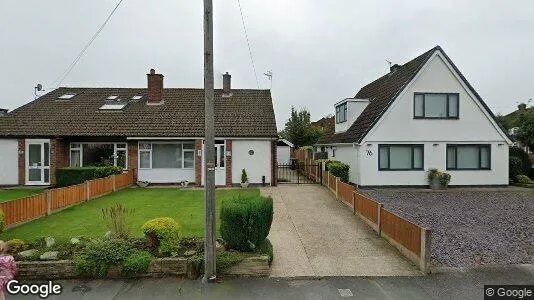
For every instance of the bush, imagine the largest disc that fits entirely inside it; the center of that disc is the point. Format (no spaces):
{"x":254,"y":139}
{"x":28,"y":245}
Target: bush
{"x":244,"y":176}
{"x":340,"y":170}
{"x":514,"y":167}
{"x":444,"y":178}
{"x":99,"y":255}
{"x":16,"y":246}
{"x":116,"y":220}
{"x":522,"y":179}
{"x":227,"y":259}
{"x":164,"y":234}
{"x":431,"y":174}
{"x":136,"y":263}
{"x":246,"y":221}
{"x":266,"y":248}
{"x":72,"y":176}
{"x":523,"y":156}
{"x":327,"y":163}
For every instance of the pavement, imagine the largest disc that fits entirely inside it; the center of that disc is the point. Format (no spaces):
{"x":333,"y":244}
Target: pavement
{"x":315,"y":235}
{"x":457,"y":284}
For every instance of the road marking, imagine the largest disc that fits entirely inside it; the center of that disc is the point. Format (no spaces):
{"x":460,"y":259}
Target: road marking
{"x":345,"y":292}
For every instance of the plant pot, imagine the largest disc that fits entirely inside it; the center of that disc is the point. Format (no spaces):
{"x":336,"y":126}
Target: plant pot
{"x":143,"y":183}
{"x":244,"y":184}
{"x":434,"y":184}
{"x":184,"y":184}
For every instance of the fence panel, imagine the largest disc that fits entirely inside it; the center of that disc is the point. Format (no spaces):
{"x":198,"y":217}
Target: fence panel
{"x":326,"y":175}
{"x":366,"y":207}
{"x":66,"y":196}
{"x":332,"y":182}
{"x":24,"y":209}
{"x":101,"y":186}
{"x":402,"y":231}
{"x":345,"y":191}
{"x":124,"y":179}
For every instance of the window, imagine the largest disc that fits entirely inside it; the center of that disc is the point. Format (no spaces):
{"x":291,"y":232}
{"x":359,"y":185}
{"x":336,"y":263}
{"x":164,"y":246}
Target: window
{"x":166,"y":155}
{"x":113,"y":97}
{"x":400,"y":157}
{"x":113,"y":106}
{"x":66,"y":96}
{"x":341,"y":113}
{"x":98,"y":154}
{"x":137,"y":97}
{"x":468,"y":157}
{"x":436,"y":106}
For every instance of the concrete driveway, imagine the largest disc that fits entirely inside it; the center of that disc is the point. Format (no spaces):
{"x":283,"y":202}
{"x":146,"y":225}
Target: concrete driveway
{"x":314,"y":235}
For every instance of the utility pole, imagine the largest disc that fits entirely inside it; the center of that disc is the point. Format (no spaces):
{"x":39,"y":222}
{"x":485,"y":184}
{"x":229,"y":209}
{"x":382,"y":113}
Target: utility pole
{"x":209,"y":147}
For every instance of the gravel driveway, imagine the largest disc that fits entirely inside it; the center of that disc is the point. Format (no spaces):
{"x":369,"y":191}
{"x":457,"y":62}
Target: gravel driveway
{"x":469,"y":227}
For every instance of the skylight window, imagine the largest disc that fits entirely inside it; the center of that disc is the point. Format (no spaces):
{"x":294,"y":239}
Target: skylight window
{"x":113,"y":97}
{"x":67,"y":96}
{"x":113,"y":106}
{"x":137,"y":97}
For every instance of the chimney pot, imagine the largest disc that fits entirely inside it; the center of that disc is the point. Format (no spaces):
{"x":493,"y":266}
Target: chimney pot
{"x":152,"y":71}
{"x":522,"y":106}
{"x":227,"y":83}
{"x":394,"y":68}
{"x":155,"y":87}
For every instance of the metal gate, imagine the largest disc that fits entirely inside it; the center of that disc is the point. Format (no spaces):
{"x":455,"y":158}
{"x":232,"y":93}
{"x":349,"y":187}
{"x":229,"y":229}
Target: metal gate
{"x":300,"y":173}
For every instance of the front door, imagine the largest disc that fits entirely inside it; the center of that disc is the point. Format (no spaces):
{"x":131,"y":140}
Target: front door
{"x":37,"y":162}
{"x":220,"y":163}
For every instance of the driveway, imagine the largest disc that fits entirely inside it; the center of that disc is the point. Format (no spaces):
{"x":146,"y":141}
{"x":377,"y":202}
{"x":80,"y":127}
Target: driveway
{"x":470,"y":227}
{"x":314,"y":235}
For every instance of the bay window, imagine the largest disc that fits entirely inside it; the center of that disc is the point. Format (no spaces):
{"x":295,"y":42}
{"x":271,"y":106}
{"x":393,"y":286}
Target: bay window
{"x":167,"y":155}
{"x":400,"y":157}
{"x":98,"y":154}
{"x":469,"y":157}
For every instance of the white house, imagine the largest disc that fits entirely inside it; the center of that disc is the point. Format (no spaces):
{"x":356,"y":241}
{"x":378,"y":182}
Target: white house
{"x":283,"y":152}
{"x":421,"y":115}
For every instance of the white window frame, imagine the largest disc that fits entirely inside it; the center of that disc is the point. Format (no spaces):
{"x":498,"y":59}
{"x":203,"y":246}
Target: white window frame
{"x":182,"y":167}
{"x":115,"y":149}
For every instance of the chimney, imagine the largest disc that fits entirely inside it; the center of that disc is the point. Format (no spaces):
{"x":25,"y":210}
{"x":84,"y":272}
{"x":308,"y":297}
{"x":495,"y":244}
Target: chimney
{"x":227,"y":83}
{"x":522,"y":107}
{"x":155,"y":88}
{"x":3,"y":112}
{"x":394,"y":68}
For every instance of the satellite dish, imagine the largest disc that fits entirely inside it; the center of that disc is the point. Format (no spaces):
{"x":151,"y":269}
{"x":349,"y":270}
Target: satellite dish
{"x":39,"y":87}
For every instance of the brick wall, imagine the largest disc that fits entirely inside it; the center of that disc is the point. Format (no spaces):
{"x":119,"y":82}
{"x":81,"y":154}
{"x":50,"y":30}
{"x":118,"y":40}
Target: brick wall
{"x":22,"y":162}
{"x":59,"y":157}
{"x":198,"y":163}
{"x":274,"y":163}
{"x":133,"y":158}
{"x":228,"y":163}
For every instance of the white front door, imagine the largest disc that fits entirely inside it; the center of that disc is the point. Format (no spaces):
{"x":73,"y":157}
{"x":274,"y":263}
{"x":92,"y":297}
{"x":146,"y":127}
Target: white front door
{"x":220,"y":163}
{"x":37,"y":162}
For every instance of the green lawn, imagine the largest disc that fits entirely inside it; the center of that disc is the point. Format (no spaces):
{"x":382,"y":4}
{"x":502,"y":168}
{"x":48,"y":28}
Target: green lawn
{"x":185,"y":206}
{"x":10,"y":194}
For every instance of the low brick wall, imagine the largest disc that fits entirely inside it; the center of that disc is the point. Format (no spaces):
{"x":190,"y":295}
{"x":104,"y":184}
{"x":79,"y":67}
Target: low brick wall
{"x":159,"y":267}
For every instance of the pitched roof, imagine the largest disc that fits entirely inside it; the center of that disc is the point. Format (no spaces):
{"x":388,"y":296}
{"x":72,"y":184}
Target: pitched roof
{"x":247,"y":113}
{"x":327,"y":123}
{"x":381,"y":93}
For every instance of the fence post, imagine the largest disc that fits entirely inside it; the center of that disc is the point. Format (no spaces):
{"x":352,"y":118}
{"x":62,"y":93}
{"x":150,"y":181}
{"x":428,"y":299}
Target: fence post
{"x":337,"y":182}
{"x":48,"y":202}
{"x":424,"y":264}
{"x":87,"y":190}
{"x":114,"y":182}
{"x":328,"y":179}
{"x":378,"y":220}
{"x":354,"y":202}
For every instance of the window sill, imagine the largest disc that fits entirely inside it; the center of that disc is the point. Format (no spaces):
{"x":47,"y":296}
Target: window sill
{"x":468,"y":169}
{"x":436,"y":118}
{"x":381,"y":170}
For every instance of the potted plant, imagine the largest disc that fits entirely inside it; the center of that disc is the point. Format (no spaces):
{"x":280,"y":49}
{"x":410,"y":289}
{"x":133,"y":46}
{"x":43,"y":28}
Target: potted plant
{"x":444,"y":179}
{"x":244,"y":178}
{"x":433,"y":178}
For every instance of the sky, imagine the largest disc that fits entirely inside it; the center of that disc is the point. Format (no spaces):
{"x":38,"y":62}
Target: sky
{"x":319,"y":51}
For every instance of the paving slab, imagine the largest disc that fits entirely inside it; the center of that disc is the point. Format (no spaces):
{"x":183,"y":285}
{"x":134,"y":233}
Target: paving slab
{"x":315,"y":235}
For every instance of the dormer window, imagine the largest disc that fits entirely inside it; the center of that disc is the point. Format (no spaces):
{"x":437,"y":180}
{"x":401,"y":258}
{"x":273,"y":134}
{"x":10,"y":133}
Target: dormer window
{"x":341,"y":113}
{"x":66,"y":96}
{"x":436,"y":106}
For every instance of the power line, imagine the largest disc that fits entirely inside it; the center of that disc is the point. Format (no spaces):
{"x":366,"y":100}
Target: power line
{"x":64,"y":75}
{"x":248,"y":44}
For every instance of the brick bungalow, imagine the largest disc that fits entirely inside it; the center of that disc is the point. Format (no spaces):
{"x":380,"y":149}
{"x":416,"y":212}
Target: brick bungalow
{"x":156,"y":131}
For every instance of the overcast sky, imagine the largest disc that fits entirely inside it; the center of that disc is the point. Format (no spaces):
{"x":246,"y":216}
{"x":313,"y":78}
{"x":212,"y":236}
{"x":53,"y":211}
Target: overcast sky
{"x":319,"y":51}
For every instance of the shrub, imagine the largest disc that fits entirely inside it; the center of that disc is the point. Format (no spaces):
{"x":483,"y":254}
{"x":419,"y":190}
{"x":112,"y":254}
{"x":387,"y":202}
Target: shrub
{"x":2,"y":221}
{"x":444,"y":178}
{"x":327,"y":163}
{"x":340,"y":170}
{"x":522,"y":179}
{"x":16,"y":245}
{"x":226,"y":259}
{"x":523,"y":156}
{"x":514,"y":167}
{"x":136,"y":263}
{"x":246,"y":221}
{"x":164,"y":234}
{"x":72,"y":176}
{"x":266,"y":248}
{"x":431,"y":174}
{"x":116,"y":220}
{"x":99,"y":255}
{"x":244,"y":176}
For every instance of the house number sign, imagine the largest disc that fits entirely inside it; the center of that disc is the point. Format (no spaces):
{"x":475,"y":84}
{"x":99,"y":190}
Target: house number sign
{"x":369,"y":152}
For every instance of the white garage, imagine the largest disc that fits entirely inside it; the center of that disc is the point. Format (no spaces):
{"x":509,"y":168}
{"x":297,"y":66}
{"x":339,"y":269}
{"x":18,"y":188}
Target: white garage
{"x":9,"y":172}
{"x":283,"y":152}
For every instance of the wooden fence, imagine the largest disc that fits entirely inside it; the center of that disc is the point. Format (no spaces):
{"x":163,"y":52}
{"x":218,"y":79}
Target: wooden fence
{"x":20,"y":211}
{"x":410,"y":239}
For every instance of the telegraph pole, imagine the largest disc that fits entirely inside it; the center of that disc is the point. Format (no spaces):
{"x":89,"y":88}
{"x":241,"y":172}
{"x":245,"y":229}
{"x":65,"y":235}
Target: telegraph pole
{"x":209,"y":147}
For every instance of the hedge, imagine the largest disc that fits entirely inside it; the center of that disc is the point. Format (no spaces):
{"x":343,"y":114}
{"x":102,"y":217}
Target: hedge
{"x":523,"y":156}
{"x":72,"y":176}
{"x":246,"y":221}
{"x":340,"y":170}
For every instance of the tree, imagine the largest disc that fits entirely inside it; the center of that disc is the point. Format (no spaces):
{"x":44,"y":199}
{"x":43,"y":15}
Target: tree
{"x":525,"y":134}
{"x":299,"y":130}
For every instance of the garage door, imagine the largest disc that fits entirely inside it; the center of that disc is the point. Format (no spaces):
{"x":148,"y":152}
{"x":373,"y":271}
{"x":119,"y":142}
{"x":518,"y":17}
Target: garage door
{"x":9,"y":172}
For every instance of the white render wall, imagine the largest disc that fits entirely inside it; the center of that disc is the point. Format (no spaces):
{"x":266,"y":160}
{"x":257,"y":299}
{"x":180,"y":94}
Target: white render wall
{"x":9,"y":170}
{"x":165,"y":175}
{"x":283,"y":154}
{"x":256,"y":165}
{"x":349,"y":155}
{"x":434,"y":157}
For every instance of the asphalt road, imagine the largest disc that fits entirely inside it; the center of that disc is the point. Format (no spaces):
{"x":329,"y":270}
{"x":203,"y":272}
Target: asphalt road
{"x":457,"y":284}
